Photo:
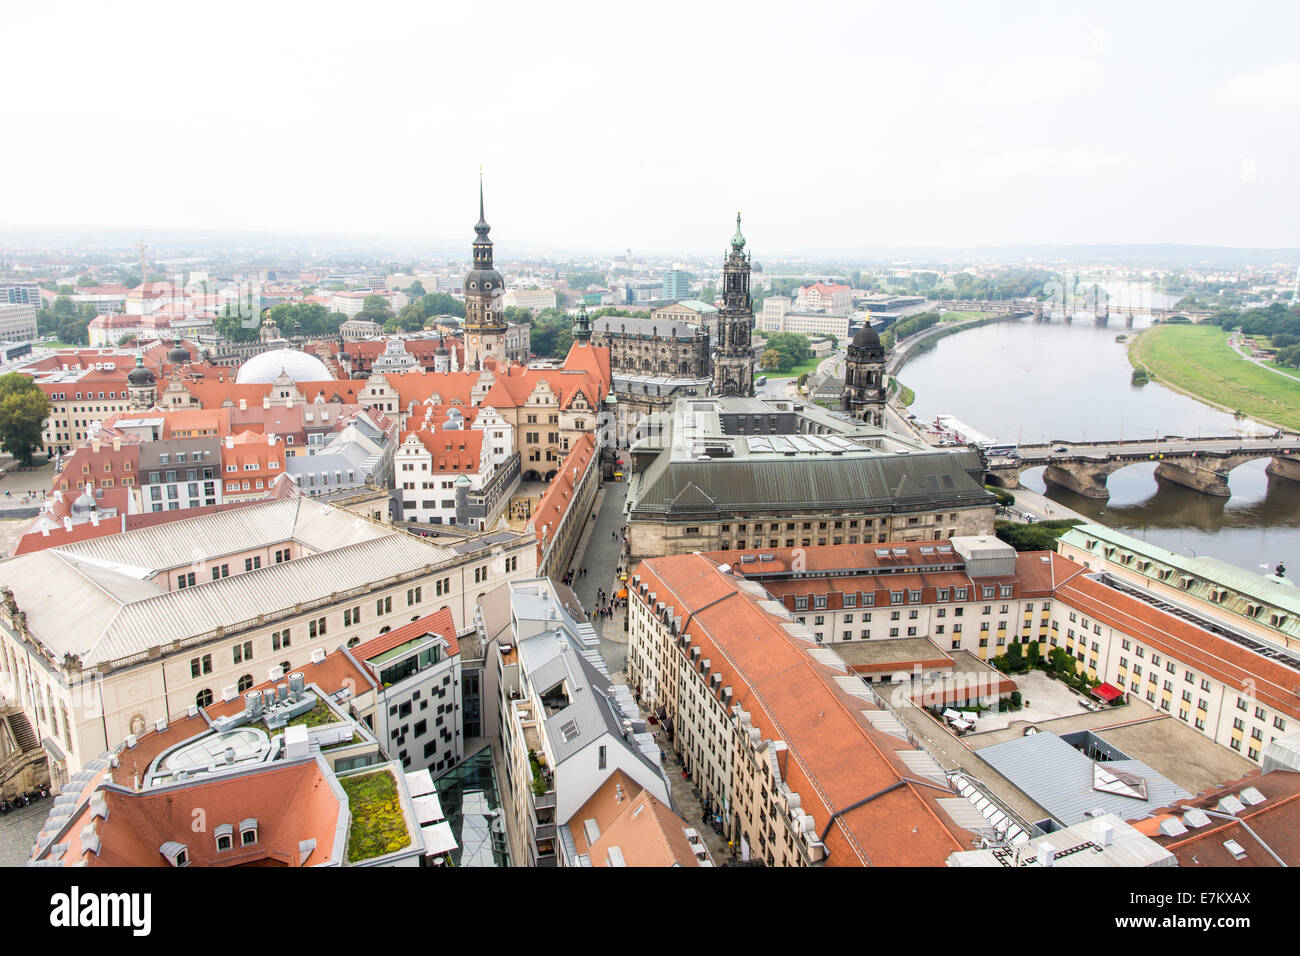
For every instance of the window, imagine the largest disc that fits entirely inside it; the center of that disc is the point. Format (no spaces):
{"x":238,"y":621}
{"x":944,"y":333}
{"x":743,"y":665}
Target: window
{"x":316,"y":628}
{"x":279,"y":639}
{"x":185,"y":580}
{"x":245,"y":682}
{"x":383,"y":605}
{"x":351,"y":616}
{"x":252,"y":563}
{"x":243,"y":652}
{"x":412,"y":596}
{"x":204,"y":697}
{"x":201,"y":665}
{"x":601,"y":758}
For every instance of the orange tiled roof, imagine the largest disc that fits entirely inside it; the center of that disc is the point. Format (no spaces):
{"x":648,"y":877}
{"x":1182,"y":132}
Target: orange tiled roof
{"x":559,"y":494}
{"x":834,"y":758}
{"x":440,"y":622}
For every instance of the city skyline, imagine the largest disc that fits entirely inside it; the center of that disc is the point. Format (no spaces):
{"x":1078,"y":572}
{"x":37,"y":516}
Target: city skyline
{"x":1030,"y":127}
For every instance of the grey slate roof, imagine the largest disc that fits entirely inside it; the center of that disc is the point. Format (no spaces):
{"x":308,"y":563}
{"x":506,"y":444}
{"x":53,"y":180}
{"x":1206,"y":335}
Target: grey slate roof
{"x":92,"y":598}
{"x":1060,"y":779}
{"x":883,"y":482}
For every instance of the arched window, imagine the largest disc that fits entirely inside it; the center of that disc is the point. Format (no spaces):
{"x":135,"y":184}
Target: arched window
{"x":203,"y":698}
{"x":245,"y":682}
{"x":354,"y":641}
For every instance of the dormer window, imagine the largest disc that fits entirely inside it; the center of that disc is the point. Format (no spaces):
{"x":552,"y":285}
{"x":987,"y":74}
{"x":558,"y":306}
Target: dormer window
{"x":225,"y":835}
{"x":177,"y":854}
{"x":248,"y":832}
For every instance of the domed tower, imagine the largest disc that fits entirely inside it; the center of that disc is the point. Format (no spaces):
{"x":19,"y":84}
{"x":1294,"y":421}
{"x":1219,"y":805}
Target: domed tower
{"x":733,"y":357}
{"x":864,"y":378}
{"x":179,"y":354}
{"x":485,"y":324}
{"x":442,"y":357}
{"x":582,"y":325}
{"x":142,"y":384}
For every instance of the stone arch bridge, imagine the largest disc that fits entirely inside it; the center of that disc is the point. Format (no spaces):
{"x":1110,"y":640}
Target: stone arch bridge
{"x":1202,"y":464}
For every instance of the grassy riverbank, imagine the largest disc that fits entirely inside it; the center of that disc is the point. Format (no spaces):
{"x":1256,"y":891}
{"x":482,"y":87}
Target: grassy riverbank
{"x":1196,"y":360}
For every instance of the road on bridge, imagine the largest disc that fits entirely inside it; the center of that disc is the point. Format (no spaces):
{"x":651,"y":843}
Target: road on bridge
{"x":1147,"y":448}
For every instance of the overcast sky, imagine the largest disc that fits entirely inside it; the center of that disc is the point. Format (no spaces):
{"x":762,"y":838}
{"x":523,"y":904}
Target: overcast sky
{"x":603,"y":126}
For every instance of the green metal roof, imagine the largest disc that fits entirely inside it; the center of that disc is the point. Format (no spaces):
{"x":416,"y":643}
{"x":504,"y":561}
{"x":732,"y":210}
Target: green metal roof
{"x":1265,"y":588}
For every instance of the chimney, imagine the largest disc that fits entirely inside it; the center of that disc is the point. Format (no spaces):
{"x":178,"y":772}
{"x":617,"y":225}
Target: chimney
{"x":94,"y":518}
{"x":1106,"y":835}
{"x":94,"y":445}
{"x":1046,"y":855}
{"x":117,"y":443}
{"x":243,"y":404}
{"x":230,"y":441}
{"x":67,"y":523}
{"x":270,"y":438}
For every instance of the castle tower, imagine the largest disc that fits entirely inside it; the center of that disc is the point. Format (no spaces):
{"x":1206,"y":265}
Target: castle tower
{"x":142,"y":384}
{"x":733,"y":358}
{"x":485,"y":325}
{"x":864,"y":378}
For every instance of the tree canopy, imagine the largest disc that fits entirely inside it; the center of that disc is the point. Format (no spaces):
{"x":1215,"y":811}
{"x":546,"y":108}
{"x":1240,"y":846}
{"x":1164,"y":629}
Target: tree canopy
{"x":791,"y":347}
{"x":23,"y":410}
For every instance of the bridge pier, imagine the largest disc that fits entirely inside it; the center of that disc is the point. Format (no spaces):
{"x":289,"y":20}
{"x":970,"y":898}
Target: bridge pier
{"x":1197,"y":477}
{"x":1284,"y":467}
{"x":1004,"y":477}
{"x":1128,"y":321}
{"x":1085,"y":480}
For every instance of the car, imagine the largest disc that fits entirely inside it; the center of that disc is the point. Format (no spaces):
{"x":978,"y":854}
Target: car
{"x":1059,"y":449}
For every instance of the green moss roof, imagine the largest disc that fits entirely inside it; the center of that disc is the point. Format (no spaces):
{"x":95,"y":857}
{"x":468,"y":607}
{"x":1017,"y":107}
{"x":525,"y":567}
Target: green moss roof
{"x":378,"y":823}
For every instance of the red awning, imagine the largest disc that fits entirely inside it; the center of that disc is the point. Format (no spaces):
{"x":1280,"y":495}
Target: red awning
{"x":1107,"y":692}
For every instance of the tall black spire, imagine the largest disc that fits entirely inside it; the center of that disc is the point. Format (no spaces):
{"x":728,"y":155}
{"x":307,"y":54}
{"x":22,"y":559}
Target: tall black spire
{"x":482,"y":244}
{"x":582,"y":325}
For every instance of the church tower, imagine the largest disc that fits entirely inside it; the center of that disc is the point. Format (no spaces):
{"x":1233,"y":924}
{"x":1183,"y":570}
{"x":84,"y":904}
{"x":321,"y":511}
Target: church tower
{"x":733,"y":359}
{"x":864,"y":378}
{"x":485,"y":325}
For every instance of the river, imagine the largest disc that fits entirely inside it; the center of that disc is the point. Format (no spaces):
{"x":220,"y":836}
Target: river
{"x":1024,"y":382}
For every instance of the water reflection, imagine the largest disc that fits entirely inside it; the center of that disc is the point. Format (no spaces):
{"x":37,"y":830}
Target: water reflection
{"x":1025,"y":382}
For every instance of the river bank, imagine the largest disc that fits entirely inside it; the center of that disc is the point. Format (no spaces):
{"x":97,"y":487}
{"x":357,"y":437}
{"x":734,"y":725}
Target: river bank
{"x":1028,"y":382}
{"x":1196,"y":361}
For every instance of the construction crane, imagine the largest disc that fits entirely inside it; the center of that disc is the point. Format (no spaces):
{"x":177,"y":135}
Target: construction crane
{"x":144,"y":276}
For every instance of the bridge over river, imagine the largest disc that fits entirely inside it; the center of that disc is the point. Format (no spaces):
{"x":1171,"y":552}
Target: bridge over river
{"x":1202,"y":464}
{"x":1044,"y":312}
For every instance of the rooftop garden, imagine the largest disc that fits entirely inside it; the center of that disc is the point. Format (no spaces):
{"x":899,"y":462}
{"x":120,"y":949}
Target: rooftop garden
{"x":378,"y":824}
{"x":318,"y":716}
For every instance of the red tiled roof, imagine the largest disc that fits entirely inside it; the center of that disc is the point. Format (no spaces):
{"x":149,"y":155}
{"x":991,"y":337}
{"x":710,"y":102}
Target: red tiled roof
{"x":290,"y":802}
{"x":1235,"y":666}
{"x":440,"y":622}
{"x":559,"y":494}
{"x":834,"y":757}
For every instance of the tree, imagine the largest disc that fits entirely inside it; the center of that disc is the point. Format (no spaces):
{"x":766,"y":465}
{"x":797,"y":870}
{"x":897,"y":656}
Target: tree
{"x":770,"y":361}
{"x":64,"y":307}
{"x":416,"y":289}
{"x":578,"y":281}
{"x":792,"y":347}
{"x":1014,"y":659}
{"x":439,"y":303}
{"x":375,"y":303}
{"x":230,"y":326}
{"x":1033,"y":653}
{"x":23,"y":410}
{"x":1060,"y":660}
{"x":85,"y":280}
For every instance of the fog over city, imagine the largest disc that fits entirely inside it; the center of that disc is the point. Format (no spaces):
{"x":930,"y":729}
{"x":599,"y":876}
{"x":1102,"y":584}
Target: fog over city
{"x":834,"y":127}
